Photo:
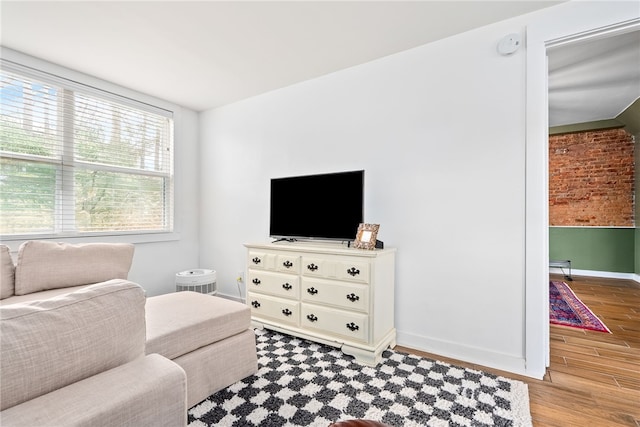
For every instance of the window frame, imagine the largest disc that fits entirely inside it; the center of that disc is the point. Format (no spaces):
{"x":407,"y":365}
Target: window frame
{"x":28,"y":66}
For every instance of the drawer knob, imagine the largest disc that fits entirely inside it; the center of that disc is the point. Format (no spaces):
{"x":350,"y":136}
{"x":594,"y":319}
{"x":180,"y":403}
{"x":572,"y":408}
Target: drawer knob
{"x":287,"y":312}
{"x":311,"y":317}
{"x":255,"y":304}
{"x":353,"y":297}
{"x":287,"y":286}
{"x":312,"y":267}
{"x":352,"y":327}
{"x":256,"y":260}
{"x":287,"y":264}
{"x":353,"y":271}
{"x":256,"y":281}
{"x":312,"y":290}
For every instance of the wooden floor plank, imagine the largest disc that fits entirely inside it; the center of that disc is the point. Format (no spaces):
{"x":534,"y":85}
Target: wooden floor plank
{"x":603,"y":364}
{"x":628,"y":398}
{"x":561,"y":347}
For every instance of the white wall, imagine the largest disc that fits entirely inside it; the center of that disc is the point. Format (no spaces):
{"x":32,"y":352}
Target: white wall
{"x":440,"y":131}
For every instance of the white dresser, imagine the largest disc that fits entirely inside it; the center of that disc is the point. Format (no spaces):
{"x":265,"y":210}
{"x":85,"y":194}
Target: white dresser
{"x":326,"y":293}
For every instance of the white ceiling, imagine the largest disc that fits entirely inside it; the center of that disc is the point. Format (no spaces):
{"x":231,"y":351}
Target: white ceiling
{"x":204,"y":54}
{"x":595,"y":79}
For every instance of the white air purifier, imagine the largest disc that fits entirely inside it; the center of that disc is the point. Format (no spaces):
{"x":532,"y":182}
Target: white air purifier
{"x":198,"y":280}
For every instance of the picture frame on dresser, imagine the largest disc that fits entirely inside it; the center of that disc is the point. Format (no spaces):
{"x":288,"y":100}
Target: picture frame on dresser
{"x":366,"y":236}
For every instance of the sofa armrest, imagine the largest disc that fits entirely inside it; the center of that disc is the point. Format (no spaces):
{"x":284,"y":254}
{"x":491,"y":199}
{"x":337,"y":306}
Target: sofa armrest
{"x":149,"y":391}
{"x":53,"y":343}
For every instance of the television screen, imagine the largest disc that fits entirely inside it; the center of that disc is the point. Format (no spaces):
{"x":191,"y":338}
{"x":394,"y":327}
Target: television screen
{"x":327,"y":206}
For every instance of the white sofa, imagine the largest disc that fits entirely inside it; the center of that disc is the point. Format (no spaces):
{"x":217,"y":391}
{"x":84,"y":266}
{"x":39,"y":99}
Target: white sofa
{"x":207,"y":340}
{"x":79,"y":360}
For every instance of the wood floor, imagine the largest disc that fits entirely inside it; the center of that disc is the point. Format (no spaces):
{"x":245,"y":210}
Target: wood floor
{"x":594,"y":377}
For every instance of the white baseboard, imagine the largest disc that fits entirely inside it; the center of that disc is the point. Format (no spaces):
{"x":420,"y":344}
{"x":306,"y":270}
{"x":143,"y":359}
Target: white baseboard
{"x":593,"y":273}
{"x":231,"y":297}
{"x":478,"y":356}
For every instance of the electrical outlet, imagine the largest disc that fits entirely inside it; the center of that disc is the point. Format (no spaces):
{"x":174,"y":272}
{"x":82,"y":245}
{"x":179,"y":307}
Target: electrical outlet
{"x":240,"y":276}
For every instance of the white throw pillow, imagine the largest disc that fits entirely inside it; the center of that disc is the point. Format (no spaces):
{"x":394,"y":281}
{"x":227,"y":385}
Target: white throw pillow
{"x":7,"y":273}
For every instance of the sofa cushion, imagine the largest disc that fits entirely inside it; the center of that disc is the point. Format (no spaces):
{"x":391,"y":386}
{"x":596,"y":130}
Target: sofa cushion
{"x":52,"y":343}
{"x":149,"y":391}
{"x":37,"y":296}
{"x":45,"y":265}
{"x":181,"y":322}
{"x":7,"y":272}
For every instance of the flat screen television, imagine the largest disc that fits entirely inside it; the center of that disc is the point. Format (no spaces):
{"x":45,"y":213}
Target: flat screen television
{"x":324,"y":207}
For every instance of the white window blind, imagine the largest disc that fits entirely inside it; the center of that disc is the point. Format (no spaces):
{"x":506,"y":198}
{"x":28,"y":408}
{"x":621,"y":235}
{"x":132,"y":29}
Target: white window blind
{"x":78,"y":161}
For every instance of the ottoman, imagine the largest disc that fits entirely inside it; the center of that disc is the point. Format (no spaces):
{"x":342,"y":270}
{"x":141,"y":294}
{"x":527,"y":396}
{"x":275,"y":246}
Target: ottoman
{"x":208,"y":336}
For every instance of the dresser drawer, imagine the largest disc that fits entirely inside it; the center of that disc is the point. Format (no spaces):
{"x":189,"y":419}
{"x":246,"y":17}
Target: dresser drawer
{"x":350,"y":296}
{"x":259,"y":260}
{"x":288,"y":263}
{"x":353,"y":270}
{"x":354,"y":326}
{"x":344,"y":268}
{"x":282,"y":285}
{"x":273,"y":261}
{"x":280,"y":309}
{"x":317,"y":267}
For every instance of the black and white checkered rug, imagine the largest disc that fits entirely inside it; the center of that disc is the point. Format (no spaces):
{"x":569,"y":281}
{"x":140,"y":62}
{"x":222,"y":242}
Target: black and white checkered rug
{"x":301,"y":383}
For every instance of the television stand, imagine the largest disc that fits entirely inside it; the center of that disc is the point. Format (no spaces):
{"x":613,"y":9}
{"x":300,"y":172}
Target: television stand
{"x":340,"y":296}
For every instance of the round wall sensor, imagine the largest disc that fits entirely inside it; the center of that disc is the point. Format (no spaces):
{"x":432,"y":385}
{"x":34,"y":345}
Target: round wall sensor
{"x":509,"y":44}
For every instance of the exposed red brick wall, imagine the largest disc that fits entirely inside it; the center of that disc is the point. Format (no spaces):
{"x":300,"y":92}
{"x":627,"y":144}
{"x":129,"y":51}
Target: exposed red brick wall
{"x":591,"y":178}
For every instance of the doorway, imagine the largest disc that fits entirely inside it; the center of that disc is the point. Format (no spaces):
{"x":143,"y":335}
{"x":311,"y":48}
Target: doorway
{"x":594,"y":82}
{"x":599,"y":20}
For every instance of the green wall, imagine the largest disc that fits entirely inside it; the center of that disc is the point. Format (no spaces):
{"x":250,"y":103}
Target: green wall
{"x":637,"y":182}
{"x":637,"y":251}
{"x":596,"y":249}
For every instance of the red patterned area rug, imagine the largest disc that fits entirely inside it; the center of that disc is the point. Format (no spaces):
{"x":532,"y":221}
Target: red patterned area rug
{"x":566,"y":309}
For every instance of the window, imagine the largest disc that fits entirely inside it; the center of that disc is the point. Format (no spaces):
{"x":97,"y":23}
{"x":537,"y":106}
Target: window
{"x":78,"y":161}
